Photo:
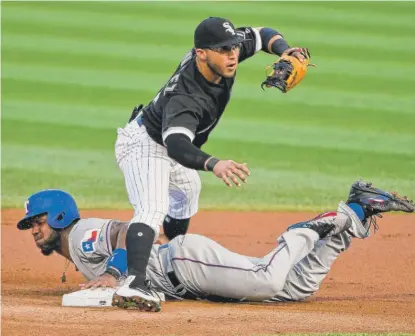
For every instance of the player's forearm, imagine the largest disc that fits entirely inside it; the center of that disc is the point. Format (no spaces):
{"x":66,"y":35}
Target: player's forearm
{"x":180,"y":148}
{"x":272,"y":41}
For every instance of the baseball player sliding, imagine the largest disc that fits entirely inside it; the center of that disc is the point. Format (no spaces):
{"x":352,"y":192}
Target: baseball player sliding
{"x":159,"y":150}
{"x":195,"y":267}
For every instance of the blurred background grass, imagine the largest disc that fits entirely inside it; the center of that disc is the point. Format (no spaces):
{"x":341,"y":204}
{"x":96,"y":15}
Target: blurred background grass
{"x":72,"y":72}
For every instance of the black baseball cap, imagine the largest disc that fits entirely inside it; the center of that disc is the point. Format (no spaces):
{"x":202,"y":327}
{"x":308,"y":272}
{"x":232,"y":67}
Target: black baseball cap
{"x":215,"y":32}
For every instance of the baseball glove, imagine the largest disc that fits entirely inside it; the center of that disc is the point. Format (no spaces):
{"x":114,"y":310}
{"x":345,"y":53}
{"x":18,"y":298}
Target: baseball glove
{"x":288,"y":71}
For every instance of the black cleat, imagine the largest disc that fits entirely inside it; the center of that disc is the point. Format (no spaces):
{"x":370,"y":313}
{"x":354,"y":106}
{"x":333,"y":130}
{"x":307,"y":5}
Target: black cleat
{"x":375,"y":201}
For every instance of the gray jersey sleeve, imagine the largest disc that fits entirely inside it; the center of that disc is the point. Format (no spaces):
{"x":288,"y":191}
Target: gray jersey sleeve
{"x":90,"y":246}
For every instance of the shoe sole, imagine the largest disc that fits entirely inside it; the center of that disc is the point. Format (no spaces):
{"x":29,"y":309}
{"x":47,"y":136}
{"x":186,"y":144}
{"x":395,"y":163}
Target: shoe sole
{"x":135,"y":302}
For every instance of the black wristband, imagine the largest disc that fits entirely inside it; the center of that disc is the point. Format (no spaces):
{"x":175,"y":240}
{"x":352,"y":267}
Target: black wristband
{"x":114,"y":272}
{"x":279,"y":46}
{"x":211,"y":163}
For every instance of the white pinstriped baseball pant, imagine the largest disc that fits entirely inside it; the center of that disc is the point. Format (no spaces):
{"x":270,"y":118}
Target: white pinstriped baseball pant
{"x":156,"y":184}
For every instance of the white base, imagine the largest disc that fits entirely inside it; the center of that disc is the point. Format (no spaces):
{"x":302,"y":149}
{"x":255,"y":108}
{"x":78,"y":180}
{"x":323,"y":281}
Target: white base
{"x":99,"y":297}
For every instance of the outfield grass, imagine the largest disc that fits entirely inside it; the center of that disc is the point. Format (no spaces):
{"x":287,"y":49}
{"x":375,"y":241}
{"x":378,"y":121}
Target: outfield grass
{"x":72,"y":71}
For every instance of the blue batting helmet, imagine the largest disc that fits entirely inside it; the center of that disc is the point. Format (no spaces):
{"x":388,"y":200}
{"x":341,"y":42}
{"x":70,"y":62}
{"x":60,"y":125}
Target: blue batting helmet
{"x":60,"y":207}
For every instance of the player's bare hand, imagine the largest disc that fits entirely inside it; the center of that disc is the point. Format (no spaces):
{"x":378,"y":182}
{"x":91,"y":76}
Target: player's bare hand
{"x":105,"y":280}
{"x":229,"y":170}
{"x":300,"y":53}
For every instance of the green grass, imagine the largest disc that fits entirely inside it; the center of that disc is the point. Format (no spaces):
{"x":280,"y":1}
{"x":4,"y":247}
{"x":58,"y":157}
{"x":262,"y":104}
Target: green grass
{"x":72,"y":71}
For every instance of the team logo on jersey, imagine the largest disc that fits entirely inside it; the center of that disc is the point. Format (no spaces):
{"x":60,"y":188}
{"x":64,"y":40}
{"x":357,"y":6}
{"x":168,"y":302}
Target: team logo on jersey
{"x":88,"y":243}
{"x":228,"y":27}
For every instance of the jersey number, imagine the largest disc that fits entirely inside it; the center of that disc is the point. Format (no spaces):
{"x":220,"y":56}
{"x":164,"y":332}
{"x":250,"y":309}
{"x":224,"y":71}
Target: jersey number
{"x":172,"y":83}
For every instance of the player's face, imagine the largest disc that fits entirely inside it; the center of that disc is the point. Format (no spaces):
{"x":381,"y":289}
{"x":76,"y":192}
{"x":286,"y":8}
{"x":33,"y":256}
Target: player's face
{"x":223,"y":61}
{"x":42,"y":232}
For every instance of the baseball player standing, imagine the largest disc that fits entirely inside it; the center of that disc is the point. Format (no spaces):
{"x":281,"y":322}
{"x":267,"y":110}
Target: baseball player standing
{"x":159,"y":149}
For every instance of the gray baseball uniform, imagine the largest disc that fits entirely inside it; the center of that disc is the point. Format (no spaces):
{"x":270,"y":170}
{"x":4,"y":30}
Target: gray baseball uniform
{"x":90,"y":246}
{"x":291,"y":271}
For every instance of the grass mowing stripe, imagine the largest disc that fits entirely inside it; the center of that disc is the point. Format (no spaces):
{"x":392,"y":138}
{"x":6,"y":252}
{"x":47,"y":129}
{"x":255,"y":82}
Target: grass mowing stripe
{"x":323,"y":51}
{"x":308,"y":159}
{"x":376,"y":69}
{"x":186,"y":28}
{"x":328,"y":12}
{"x":63,"y":136}
{"x":389,"y":123}
{"x":362,"y":13}
{"x":359,"y":119}
{"x":96,"y":48}
{"x":382,"y":8}
{"x":314,"y":96}
{"x":61,"y":160}
{"x":142,"y":80}
{"x":75,"y":94}
{"x":24,"y":23}
{"x":232,"y":130}
{"x":22,"y":45}
{"x":339,"y":70}
{"x":100,"y":34}
{"x":353,"y":81}
{"x":123,"y":22}
{"x":79,"y":66}
{"x":290,"y":191}
{"x":102,"y":95}
{"x":281,"y":17}
{"x":80,"y":69}
{"x":65,"y":114}
{"x":90,"y":191}
{"x":300,"y":157}
{"x":313,"y":136}
{"x":87,"y":163}
{"x":88,"y":78}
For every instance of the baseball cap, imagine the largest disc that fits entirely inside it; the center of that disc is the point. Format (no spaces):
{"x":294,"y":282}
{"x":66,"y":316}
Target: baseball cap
{"x":215,"y":32}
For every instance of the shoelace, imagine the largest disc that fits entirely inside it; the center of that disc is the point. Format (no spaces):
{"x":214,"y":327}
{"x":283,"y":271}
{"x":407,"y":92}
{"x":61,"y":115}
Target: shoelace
{"x":151,"y":289}
{"x":372,"y":222}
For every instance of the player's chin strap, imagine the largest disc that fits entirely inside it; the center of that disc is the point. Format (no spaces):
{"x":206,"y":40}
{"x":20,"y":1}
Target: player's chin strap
{"x":372,"y":222}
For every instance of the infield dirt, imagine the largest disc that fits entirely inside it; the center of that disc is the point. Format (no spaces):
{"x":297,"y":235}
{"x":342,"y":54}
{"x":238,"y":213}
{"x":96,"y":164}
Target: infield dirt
{"x":370,"y":288}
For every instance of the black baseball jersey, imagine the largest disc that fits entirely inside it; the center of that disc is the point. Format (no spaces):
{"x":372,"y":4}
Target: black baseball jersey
{"x":190,"y":104}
